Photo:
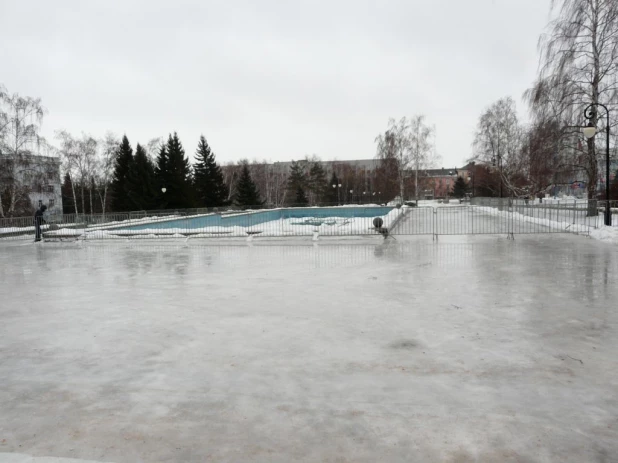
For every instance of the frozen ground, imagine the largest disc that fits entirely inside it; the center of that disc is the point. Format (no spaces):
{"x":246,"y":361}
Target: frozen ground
{"x":471,"y":349}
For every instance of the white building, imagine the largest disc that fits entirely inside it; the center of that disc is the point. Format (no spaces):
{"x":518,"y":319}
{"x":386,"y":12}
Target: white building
{"x":30,"y":180}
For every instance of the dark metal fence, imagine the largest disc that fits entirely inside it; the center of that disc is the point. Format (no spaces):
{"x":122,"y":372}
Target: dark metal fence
{"x":506,"y":216}
{"x":483,"y":216}
{"x":202,"y":223}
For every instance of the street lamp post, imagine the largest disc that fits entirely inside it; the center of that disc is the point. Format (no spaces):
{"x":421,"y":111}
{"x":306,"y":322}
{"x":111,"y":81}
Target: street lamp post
{"x":163,"y":190}
{"x":498,"y":158}
{"x":351,"y":195}
{"x":590,"y":113}
{"x":471,"y":178}
{"x":338,"y":186}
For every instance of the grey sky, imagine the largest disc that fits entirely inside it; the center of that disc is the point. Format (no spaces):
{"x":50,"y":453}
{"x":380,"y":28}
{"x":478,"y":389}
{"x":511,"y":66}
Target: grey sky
{"x":270,"y":79}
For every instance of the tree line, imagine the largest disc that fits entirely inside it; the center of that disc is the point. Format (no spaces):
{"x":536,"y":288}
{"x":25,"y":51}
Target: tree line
{"x":155,"y":176}
{"x":577,"y":68}
{"x":109,"y":175}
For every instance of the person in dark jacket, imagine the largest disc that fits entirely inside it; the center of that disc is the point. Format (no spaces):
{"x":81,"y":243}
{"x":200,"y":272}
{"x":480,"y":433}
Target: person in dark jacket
{"x":38,"y":220}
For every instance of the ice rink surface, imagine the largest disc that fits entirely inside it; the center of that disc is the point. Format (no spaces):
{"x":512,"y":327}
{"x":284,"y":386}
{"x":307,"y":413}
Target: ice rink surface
{"x":468,"y":349}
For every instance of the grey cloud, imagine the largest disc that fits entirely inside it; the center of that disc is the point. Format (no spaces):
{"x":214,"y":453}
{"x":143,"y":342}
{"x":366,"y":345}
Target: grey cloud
{"x":270,"y":79}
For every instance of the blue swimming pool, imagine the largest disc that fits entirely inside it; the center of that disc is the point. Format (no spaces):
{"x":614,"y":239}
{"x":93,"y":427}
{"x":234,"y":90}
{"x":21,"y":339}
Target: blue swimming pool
{"x":249,"y":219}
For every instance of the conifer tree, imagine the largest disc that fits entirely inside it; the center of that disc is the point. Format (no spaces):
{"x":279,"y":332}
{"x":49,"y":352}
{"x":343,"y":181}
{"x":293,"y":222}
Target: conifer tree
{"x":177,"y":176}
{"x":297,"y":180}
{"x":120,"y":181}
{"x":142,"y":183}
{"x":317,"y":183}
{"x":160,"y":171}
{"x":247,"y":194}
{"x":460,"y":188}
{"x":210,"y":188}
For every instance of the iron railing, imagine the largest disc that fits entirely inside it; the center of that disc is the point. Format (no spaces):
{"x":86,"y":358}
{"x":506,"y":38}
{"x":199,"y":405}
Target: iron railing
{"x":483,"y":216}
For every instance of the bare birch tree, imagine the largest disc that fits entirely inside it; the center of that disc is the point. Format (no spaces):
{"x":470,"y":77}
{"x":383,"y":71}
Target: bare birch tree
{"x":395,"y":144}
{"x":407,"y":144}
{"x":68,"y":154}
{"x":105,"y":167}
{"x":498,"y":141}
{"x":421,"y":148}
{"x":20,"y":124}
{"x":579,"y":66}
{"x":79,"y":159}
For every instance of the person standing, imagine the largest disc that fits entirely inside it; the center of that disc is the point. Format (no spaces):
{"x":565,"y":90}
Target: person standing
{"x":38,"y":220}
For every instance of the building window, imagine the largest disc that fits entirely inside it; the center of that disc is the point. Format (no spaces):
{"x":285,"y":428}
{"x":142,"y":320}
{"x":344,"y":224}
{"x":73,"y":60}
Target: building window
{"x":50,"y":188}
{"x":52,"y":202}
{"x":40,"y":202}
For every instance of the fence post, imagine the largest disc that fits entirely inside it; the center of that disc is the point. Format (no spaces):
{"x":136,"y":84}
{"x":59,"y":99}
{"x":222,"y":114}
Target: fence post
{"x":434,"y":223}
{"x":511,"y":226}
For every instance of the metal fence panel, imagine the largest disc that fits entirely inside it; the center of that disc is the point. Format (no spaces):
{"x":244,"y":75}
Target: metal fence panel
{"x":483,"y":216}
{"x":415,"y":221}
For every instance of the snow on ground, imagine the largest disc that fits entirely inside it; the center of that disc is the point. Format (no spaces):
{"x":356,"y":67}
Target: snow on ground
{"x":604,"y":233}
{"x":80,"y":226}
{"x":307,"y":226}
{"x":452,"y":218}
{"x":591,"y":226}
{"x":467,"y":349}
{"x":551,"y":224}
{"x":20,"y":229}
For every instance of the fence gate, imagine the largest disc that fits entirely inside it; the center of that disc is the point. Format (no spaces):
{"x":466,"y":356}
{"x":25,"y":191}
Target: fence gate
{"x":507,"y":219}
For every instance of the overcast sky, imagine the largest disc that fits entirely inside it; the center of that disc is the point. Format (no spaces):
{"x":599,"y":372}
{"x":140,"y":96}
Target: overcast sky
{"x":270,"y":79}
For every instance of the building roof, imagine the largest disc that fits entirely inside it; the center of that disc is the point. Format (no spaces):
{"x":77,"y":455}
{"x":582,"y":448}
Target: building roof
{"x":372,"y":164}
{"x":442,"y":172}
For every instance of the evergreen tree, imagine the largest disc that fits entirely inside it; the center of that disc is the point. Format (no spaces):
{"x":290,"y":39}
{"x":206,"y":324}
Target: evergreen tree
{"x":120,"y":180}
{"x":300,"y":198}
{"x":142,"y":183}
{"x":333,"y":193}
{"x":297,"y":180}
{"x":68,"y":205}
{"x":177,"y":176}
{"x":161,"y":179}
{"x":210,"y":188}
{"x":317,"y":183}
{"x":247,"y":194}
{"x":460,"y":188}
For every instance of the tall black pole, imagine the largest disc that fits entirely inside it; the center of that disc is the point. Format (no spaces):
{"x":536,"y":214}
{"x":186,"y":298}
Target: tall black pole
{"x":608,"y":209}
{"x":591,"y":114}
{"x":500,"y":170}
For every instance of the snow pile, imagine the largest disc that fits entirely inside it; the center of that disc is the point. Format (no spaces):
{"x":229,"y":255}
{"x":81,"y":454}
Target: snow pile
{"x":552,"y":224}
{"x":562,"y":200}
{"x":19,"y":229}
{"x":605,"y":233}
{"x":306,"y":226}
{"x":141,"y":220}
{"x":600,"y":232}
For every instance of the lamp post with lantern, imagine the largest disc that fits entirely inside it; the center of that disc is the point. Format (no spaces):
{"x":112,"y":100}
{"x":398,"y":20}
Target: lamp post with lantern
{"x":590,"y":113}
{"x":338,"y":186}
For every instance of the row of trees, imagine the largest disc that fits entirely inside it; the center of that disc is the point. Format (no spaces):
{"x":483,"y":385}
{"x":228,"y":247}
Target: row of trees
{"x":312,"y":182}
{"x":107,"y":174}
{"x":578,"y":67}
{"x":154,"y":176}
{"x":406,"y":146}
{"x":20,"y":122}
